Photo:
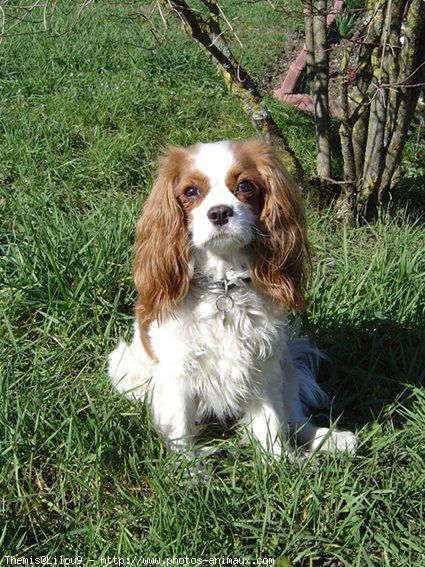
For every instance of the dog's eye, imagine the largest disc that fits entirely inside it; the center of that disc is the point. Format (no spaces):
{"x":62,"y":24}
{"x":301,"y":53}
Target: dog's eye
{"x":192,"y":192}
{"x":245,"y":187}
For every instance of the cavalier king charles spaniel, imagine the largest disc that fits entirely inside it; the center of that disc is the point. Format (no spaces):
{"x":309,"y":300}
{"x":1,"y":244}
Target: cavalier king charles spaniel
{"x":219,"y":256}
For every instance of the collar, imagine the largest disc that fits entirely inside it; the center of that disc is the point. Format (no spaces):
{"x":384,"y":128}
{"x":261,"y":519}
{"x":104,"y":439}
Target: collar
{"x":224,"y":301}
{"x":222,"y":285}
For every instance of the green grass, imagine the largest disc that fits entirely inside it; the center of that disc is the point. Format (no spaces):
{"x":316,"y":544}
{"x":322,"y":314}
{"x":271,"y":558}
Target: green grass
{"x":81,"y":470}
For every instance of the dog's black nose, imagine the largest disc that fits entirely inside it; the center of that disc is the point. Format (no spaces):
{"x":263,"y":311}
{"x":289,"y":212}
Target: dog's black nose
{"x":220,"y":215}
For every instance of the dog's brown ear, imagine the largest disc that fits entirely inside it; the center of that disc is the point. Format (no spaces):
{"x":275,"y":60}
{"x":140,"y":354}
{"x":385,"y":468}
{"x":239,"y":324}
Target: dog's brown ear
{"x":281,"y":245}
{"x":161,"y":252}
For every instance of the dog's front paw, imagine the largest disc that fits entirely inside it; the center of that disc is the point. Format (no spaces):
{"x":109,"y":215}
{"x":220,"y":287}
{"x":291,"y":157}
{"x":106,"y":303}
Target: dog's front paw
{"x":330,"y":441}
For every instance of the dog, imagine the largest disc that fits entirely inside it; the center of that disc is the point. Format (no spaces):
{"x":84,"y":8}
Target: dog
{"x":220,"y":256}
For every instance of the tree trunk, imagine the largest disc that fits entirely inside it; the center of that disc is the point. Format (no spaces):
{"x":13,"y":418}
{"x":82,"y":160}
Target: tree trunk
{"x":346,"y":203}
{"x":411,"y":72}
{"x":318,"y":67}
{"x":320,"y":91}
{"x":309,"y":42}
{"x":390,"y":73}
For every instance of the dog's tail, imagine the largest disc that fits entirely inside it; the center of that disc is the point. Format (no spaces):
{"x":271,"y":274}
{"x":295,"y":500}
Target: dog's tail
{"x":306,"y":358}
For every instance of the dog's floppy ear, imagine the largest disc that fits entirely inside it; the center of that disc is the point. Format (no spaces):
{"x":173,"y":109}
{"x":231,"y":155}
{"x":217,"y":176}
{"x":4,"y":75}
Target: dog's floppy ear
{"x":161,"y":252}
{"x":281,"y":245}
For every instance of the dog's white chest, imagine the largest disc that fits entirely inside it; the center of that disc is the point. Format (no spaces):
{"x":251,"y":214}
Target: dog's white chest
{"x":229,"y":354}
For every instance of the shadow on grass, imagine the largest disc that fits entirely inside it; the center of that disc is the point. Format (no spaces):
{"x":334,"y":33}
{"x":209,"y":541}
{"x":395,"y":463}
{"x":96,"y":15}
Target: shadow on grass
{"x":370,"y":367}
{"x":410,"y":195}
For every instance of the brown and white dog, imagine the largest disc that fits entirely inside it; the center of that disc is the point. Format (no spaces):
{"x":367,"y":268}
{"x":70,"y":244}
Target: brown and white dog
{"x":219,"y":256}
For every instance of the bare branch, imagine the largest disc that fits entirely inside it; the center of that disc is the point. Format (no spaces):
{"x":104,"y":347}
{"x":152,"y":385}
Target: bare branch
{"x":206,"y":30}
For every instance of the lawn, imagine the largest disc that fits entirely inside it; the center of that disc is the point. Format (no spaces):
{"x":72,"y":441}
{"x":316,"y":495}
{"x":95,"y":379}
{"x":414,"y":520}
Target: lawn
{"x":82,"y":474}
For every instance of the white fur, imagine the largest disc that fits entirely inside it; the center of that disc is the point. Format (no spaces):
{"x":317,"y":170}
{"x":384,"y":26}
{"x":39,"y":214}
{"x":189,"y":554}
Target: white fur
{"x":243,"y":367}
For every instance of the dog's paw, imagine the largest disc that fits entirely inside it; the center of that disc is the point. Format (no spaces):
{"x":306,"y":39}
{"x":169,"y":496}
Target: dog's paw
{"x":330,"y":441}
